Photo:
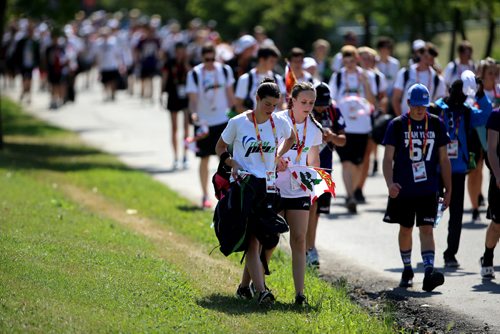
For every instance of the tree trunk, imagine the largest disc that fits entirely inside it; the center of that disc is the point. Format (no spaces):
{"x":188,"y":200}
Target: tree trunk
{"x":366,"y":26}
{"x":454,"y":29}
{"x":3,"y":10}
{"x":491,"y":32}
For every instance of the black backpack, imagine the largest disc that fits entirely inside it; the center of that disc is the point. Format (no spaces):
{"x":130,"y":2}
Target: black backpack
{"x":248,"y":101}
{"x":406,"y":77}
{"x":195,"y":75}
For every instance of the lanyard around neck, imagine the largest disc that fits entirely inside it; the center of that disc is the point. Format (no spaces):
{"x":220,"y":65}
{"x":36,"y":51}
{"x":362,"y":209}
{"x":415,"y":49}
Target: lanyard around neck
{"x":259,"y":140}
{"x":425,"y":136}
{"x":300,"y":144}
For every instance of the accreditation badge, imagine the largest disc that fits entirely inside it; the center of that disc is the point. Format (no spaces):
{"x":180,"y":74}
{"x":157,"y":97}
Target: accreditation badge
{"x":452,"y":149}
{"x":181,"y":91}
{"x":270,"y":182}
{"x":419,"y":172}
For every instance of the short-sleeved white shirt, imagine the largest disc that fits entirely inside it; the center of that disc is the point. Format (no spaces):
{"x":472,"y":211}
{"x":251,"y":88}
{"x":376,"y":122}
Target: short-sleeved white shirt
{"x":454,"y":70}
{"x":390,"y":70}
{"x":424,"y":77}
{"x":240,"y":132}
{"x":242,"y":84}
{"x":108,"y":54}
{"x":350,"y":84}
{"x":313,"y":138}
{"x":211,"y":88}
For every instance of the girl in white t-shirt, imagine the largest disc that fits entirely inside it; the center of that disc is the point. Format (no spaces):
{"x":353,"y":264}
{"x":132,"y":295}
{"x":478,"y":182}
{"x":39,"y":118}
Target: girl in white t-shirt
{"x":255,"y":136}
{"x":295,"y":202}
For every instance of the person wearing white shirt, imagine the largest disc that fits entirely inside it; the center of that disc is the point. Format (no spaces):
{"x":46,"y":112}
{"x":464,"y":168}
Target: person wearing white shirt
{"x":464,"y":62}
{"x":296,"y":65}
{"x":354,"y":90}
{"x":255,"y":136}
{"x":421,"y":72}
{"x":245,"y":96}
{"x":295,"y":202}
{"x":109,"y":59}
{"x":210,"y":93}
{"x":387,"y":64}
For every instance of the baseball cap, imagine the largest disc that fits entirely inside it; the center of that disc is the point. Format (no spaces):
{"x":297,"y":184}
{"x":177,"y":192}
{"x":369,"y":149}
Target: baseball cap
{"x":322,"y":95}
{"x":418,"y":44}
{"x":309,"y":62}
{"x":243,"y":43}
{"x":418,"y":95}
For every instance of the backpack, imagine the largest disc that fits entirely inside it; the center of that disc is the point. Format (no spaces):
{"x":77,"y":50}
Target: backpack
{"x":248,"y":101}
{"x":339,"y":81}
{"x":195,"y":75}
{"x":406,"y":77}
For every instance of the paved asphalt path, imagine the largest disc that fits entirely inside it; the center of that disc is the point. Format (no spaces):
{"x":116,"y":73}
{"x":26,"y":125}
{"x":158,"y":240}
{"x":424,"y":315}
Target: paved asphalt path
{"x":138,"y":133}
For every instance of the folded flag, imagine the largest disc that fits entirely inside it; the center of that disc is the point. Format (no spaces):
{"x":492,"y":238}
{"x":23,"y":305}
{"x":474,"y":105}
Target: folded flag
{"x":313,"y":181}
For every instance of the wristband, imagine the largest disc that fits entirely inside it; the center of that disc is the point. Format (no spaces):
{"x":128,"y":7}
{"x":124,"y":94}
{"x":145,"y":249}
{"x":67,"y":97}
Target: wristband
{"x":224,"y":156}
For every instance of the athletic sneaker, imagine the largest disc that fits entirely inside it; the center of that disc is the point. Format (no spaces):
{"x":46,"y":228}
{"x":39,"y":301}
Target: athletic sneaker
{"x":185,"y":163}
{"x":480,"y":200}
{"x":476,"y":218}
{"x":486,"y":271}
{"x":266,"y":297}
{"x":451,"y":262}
{"x":254,"y":290}
{"x":351,"y":205}
{"x":300,"y":299}
{"x":432,"y":280}
{"x":312,"y":258}
{"x":358,"y":195}
{"x":406,"y":279}
{"x":244,"y":292}
{"x":176,"y":165}
{"x":375,"y":168}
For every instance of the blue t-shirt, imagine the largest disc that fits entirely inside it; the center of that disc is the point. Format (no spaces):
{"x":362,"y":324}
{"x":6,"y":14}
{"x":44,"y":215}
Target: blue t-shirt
{"x":332,"y":119}
{"x":397,"y":135}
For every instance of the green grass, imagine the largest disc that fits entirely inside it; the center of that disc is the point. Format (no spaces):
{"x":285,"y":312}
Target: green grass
{"x":71,"y":260}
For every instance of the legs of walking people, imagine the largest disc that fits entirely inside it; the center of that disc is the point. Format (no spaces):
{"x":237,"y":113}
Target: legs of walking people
{"x":432,"y":278}
{"x":186,"y":134}
{"x":474,"y":182}
{"x":492,"y":237}
{"x":256,"y":271}
{"x":455,"y":222}
{"x":364,"y":169}
{"x":173,"y":121}
{"x":204,"y":181}
{"x":297,"y":220}
{"x":312,"y":253}
{"x":351,"y":174}
{"x":405,"y":245}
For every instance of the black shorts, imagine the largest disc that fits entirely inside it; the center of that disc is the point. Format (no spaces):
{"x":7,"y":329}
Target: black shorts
{"x":402,"y":211}
{"x":324,"y":201}
{"x":109,"y":76}
{"x":27,"y":72}
{"x":175,"y":104}
{"x":55,"y":78}
{"x":493,"y":201}
{"x":147,"y":72}
{"x":300,"y":203}
{"x":354,"y":149}
{"x":206,"y":146}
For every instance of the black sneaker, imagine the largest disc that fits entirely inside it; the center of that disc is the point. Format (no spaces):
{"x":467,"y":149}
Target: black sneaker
{"x":432,"y":280}
{"x":358,"y":195}
{"x":475,"y":216}
{"x":480,"y":200}
{"x":266,"y":298}
{"x":487,"y":269}
{"x":406,"y":279}
{"x":254,"y":290}
{"x":244,"y":292}
{"x":352,"y":206}
{"x":301,"y":300}
{"x":375,"y":168}
{"x":451,"y":262}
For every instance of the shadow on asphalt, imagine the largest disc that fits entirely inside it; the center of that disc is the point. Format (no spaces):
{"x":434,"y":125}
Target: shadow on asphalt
{"x":234,"y":306}
{"x":189,"y":208}
{"x":415,"y":292}
{"x":156,"y":171}
{"x":451,"y":272}
{"x":487,"y":285}
{"x":475,"y":226}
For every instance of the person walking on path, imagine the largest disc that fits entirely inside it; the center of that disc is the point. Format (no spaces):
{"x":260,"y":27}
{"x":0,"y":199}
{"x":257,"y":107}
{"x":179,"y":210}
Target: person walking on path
{"x":255,"y":136}
{"x":211,"y":95}
{"x":333,"y":124}
{"x":460,"y":119}
{"x":175,"y":72}
{"x":415,"y":144}
{"x":493,"y":231}
{"x":295,"y":203}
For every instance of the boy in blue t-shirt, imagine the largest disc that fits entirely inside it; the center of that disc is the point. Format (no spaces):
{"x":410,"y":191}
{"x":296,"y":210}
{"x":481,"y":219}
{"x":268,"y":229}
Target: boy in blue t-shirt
{"x":415,"y":145}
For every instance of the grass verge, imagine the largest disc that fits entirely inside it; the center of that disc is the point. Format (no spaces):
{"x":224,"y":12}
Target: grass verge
{"x":89,"y":245}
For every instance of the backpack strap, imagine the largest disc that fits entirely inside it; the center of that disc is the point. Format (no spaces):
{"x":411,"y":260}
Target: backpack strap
{"x":377,"y":82}
{"x":436,"y":84}
{"x":406,"y":77}
{"x":195,"y":77}
{"x":455,"y":68}
{"x":250,"y":83}
{"x":338,"y":80}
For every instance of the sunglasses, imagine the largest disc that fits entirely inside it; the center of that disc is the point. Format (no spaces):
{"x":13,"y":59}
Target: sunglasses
{"x":208,"y":60}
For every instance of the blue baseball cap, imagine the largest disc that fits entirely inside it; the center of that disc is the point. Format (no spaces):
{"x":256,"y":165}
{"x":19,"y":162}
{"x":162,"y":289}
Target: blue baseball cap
{"x":418,"y":95}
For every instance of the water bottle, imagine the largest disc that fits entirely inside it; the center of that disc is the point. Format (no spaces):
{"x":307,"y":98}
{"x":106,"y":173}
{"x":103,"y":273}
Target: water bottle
{"x":440,"y":210}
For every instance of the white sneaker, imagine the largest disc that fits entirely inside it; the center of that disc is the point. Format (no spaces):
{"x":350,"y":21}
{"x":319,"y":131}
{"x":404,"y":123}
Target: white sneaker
{"x":185,"y":163}
{"x":486,"y":271}
{"x":312,"y":258}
